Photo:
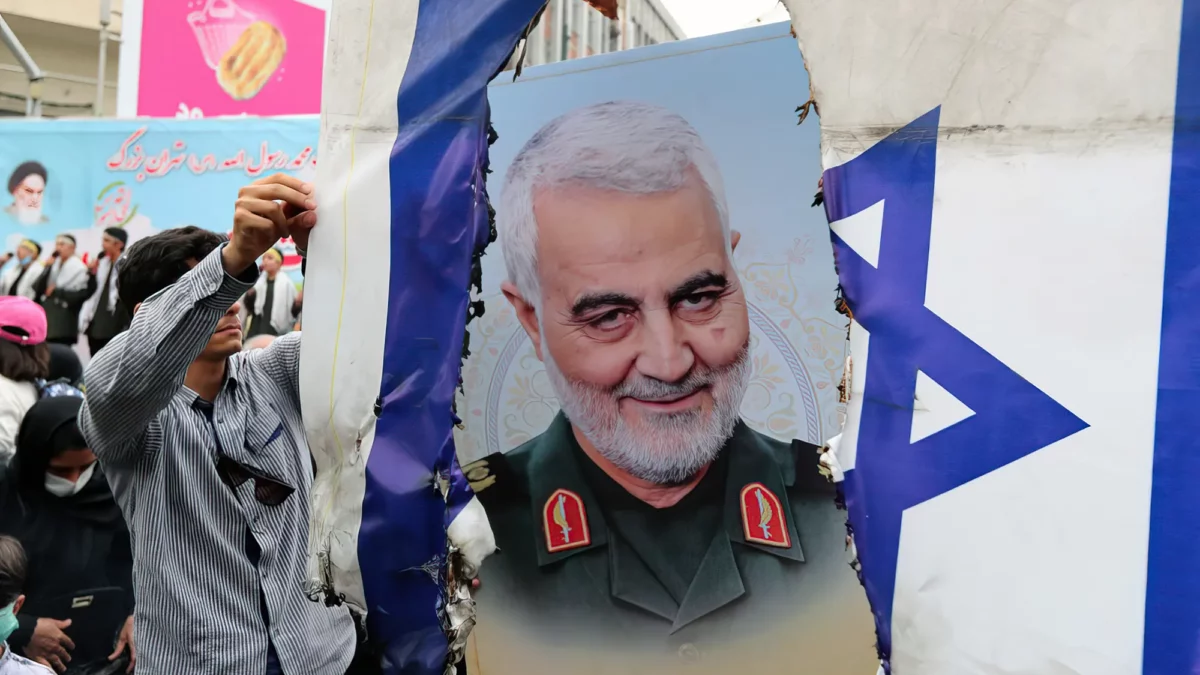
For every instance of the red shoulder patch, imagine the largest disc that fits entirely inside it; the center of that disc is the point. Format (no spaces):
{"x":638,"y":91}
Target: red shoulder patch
{"x":763,"y":520}
{"x":564,"y":521}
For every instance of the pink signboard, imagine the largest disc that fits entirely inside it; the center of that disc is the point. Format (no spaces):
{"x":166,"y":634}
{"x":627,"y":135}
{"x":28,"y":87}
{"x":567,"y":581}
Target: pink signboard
{"x":201,"y":58}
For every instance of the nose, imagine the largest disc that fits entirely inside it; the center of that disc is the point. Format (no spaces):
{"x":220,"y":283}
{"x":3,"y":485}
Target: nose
{"x":665,"y":355}
{"x":237,"y":307}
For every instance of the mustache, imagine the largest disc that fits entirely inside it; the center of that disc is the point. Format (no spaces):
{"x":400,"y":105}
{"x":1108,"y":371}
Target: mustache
{"x":650,"y":389}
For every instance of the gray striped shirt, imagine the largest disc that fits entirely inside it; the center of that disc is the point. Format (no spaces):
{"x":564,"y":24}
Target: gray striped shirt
{"x":199,"y":596}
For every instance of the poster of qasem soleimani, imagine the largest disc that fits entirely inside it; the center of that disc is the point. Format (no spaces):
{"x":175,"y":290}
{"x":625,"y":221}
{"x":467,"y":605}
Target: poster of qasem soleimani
{"x":655,"y":371}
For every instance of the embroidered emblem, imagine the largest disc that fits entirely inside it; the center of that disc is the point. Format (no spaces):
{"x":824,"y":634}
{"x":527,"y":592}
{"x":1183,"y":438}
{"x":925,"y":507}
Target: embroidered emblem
{"x":565,"y":522}
{"x":479,"y":475}
{"x":763,"y":521}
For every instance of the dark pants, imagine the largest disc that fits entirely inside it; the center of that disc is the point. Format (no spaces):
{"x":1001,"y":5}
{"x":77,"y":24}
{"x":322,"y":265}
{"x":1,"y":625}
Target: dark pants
{"x":96,"y":344}
{"x":68,"y":341}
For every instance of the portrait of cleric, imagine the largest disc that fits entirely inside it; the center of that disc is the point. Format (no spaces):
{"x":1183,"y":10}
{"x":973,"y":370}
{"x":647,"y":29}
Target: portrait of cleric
{"x":27,"y":186}
{"x":648,"y":521}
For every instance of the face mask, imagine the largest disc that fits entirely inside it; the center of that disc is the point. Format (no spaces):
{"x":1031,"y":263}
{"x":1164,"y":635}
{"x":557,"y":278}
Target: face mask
{"x":26,"y":260}
{"x":61,"y":487}
{"x":8,"y":621}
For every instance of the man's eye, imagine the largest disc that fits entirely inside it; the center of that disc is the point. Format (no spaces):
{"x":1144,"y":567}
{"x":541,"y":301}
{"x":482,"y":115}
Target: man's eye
{"x":612,"y":320}
{"x":699,"y":301}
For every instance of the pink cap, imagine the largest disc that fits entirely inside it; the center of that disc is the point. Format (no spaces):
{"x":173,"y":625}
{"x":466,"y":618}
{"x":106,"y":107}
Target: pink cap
{"x":22,"y":320}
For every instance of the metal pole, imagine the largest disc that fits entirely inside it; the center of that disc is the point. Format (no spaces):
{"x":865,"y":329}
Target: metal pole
{"x":33,"y":99}
{"x":101,"y":76}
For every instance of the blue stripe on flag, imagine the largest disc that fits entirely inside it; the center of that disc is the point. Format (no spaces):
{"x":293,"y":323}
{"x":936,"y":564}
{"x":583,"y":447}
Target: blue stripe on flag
{"x":436,"y":197}
{"x":1172,"y":632}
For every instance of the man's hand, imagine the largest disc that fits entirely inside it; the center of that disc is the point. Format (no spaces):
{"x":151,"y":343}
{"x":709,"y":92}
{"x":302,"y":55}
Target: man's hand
{"x":50,"y":290}
{"x":94,"y":265}
{"x":49,"y":645}
{"x":5,"y":258}
{"x":268,"y":210}
{"x":126,"y":638}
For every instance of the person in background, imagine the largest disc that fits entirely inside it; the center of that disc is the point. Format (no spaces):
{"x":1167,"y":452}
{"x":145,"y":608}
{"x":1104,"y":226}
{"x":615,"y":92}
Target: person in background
{"x":19,"y":280}
{"x":273,"y":303}
{"x":57,"y":502}
{"x":258,"y":342}
{"x":64,"y":366}
{"x":205,"y":450}
{"x":27,"y":185}
{"x":24,"y":361}
{"x":13,"y":567}
{"x":103,"y":316}
{"x":61,"y":289}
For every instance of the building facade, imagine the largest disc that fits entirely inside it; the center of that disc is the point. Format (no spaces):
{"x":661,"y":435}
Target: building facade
{"x":63,"y":38}
{"x":571,"y":29}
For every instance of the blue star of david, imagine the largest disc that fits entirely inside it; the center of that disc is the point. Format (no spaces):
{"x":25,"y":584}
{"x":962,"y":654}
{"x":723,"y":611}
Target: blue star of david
{"x":1013,"y":418}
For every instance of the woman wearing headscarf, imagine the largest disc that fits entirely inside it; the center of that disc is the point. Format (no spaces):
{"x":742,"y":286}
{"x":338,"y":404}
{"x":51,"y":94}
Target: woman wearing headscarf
{"x":57,"y":503}
{"x":24,"y":362}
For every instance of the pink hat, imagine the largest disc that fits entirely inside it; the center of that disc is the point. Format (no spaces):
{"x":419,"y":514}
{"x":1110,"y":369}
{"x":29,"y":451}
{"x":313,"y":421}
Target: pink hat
{"x":22,"y":320}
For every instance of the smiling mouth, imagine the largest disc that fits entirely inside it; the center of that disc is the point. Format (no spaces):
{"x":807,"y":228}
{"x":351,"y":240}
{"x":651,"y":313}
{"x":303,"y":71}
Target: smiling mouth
{"x":672,"y":403}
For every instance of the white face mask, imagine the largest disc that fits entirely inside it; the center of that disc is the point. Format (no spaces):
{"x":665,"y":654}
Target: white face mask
{"x":61,"y":487}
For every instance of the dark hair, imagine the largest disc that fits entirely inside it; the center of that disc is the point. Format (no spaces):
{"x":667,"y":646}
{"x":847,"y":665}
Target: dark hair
{"x":64,"y":364}
{"x":24,"y":171}
{"x":24,"y":363}
{"x":156,"y":262}
{"x":12,"y":569}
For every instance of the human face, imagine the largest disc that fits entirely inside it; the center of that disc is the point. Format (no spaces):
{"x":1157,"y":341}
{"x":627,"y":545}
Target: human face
{"x":271,"y":264}
{"x":71,"y":464}
{"x":643,"y":326}
{"x":111,"y":245}
{"x":226,"y":340}
{"x":64,"y":247}
{"x":28,"y":195}
{"x":25,"y":253}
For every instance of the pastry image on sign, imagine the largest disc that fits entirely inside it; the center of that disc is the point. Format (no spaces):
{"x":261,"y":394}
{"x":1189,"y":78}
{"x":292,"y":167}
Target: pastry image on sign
{"x":251,"y":61}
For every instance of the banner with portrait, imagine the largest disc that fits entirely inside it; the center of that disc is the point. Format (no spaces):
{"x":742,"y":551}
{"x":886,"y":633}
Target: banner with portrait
{"x":693,"y":287}
{"x":80,"y":177}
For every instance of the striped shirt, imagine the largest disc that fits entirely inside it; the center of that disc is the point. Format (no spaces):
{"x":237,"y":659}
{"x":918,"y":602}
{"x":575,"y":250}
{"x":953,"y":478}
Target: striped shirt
{"x":203,"y":605}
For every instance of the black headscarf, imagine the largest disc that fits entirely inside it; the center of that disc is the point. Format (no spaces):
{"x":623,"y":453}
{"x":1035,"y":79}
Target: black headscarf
{"x":45,"y":431}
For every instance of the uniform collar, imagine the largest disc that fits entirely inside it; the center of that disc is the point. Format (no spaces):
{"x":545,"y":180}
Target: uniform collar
{"x":556,"y":468}
{"x":751,"y":461}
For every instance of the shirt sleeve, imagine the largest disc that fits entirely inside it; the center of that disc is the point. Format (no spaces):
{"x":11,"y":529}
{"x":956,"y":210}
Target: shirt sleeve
{"x":280,"y":360}
{"x":135,"y":376}
{"x":12,"y":408}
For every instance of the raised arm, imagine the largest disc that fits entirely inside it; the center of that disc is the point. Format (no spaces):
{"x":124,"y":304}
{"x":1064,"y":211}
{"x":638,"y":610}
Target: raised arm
{"x":136,"y":375}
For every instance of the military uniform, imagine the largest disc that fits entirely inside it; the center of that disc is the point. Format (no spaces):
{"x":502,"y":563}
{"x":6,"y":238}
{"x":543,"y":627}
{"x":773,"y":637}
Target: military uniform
{"x":590,"y":573}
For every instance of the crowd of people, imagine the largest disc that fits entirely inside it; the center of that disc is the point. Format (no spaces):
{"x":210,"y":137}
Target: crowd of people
{"x":154,"y":507}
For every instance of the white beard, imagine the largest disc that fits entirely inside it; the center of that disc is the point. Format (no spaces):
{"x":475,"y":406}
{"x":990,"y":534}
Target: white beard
{"x":672,"y":447}
{"x":28,"y":216}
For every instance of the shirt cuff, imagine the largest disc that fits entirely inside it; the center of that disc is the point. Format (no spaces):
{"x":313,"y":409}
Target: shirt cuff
{"x":215,"y":286}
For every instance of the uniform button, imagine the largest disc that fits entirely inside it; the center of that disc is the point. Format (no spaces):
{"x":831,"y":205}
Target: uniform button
{"x":220,"y":420}
{"x":689,"y":653}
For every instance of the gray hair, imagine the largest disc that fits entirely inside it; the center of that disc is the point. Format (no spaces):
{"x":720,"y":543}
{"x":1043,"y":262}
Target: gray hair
{"x":622,"y":146}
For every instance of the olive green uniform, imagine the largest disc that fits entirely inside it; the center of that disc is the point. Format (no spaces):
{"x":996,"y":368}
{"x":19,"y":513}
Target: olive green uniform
{"x":680,"y":584}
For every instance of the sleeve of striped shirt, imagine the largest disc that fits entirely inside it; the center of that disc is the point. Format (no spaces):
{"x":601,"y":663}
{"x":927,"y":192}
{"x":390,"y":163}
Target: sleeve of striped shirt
{"x":135,"y":376}
{"x":280,"y":360}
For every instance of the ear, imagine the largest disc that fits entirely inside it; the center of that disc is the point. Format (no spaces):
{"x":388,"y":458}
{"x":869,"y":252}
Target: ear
{"x":526,"y":314}
{"x":734,"y":238}
{"x":17,"y":604}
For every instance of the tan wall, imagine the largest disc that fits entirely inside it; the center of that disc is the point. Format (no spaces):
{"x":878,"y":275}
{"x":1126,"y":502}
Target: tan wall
{"x":63,"y":38}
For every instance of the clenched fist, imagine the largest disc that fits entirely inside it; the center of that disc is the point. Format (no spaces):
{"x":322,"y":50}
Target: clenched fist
{"x":268,"y":210}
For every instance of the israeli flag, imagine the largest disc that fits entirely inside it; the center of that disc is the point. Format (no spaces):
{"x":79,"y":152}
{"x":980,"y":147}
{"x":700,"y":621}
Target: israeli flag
{"x":1014,"y":194}
{"x":403,"y":213}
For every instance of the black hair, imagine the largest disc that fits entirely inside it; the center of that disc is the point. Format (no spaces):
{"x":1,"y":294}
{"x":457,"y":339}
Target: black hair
{"x":64,"y":365}
{"x":13,"y":568}
{"x":156,"y":262}
{"x":25,"y":170}
{"x":24,"y":363}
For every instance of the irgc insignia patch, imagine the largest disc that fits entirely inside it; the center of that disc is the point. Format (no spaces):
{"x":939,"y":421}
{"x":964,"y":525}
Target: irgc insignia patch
{"x":564,"y":521}
{"x":763,"y":521}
